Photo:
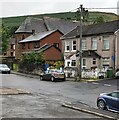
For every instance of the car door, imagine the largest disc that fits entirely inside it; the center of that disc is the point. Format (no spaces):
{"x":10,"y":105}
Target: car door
{"x":47,"y":75}
{"x":113,"y":101}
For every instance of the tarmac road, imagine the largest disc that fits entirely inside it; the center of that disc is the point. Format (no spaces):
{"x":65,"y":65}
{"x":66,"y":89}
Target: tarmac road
{"x":47,"y":97}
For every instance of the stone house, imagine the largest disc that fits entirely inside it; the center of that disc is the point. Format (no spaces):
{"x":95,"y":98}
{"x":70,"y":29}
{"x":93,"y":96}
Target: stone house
{"x":117,"y":50}
{"x":98,"y":46}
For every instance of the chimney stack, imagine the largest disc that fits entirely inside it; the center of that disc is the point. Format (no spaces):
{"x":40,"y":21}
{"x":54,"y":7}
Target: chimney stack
{"x":33,"y":32}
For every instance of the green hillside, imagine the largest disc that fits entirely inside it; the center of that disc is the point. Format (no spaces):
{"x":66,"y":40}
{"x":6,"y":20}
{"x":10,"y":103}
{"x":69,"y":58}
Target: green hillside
{"x":16,"y":21}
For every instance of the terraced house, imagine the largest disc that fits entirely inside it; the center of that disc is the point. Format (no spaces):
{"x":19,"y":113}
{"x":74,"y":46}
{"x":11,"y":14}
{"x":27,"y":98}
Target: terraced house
{"x":100,"y":45}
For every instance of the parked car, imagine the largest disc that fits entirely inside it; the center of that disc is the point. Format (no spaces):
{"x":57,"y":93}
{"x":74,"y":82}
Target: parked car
{"x":108,"y":101}
{"x":117,"y":74}
{"x":53,"y":75}
{"x":4,"y":68}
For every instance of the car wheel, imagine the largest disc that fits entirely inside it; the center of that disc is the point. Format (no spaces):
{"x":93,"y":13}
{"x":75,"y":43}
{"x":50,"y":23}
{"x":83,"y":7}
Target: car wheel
{"x":101,"y":105}
{"x":41,"y":77}
{"x":52,"y":79}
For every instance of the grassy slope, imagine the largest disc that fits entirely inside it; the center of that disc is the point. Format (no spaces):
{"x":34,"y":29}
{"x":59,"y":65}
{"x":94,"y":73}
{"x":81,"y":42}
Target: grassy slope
{"x":16,"y":21}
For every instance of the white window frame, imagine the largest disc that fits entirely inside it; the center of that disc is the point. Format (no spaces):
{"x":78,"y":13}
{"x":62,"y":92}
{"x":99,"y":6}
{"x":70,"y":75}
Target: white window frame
{"x":73,"y":45}
{"x":84,"y":66}
{"x":94,"y":60}
{"x":74,"y":63}
{"x":106,"y":61}
{"x":66,"y":45}
{"x":84,"y":44}
{"x":94,"y":43}
{"x":106,"y":45}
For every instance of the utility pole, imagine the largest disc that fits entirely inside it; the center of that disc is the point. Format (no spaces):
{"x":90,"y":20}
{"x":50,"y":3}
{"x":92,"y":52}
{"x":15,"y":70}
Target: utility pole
{"x":82,"y":13}
{"x":81,"y":18}
{"x":80,"y":9}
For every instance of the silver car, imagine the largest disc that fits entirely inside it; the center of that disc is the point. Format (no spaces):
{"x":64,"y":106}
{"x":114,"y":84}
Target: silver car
{"x":117,"y":74}
{"x":4,"y":69}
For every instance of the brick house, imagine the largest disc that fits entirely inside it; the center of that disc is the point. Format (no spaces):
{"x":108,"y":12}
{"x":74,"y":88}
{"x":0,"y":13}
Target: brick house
{"x":98,"y":46}
{"x":32,"y":27}
{"x":49,"y":41}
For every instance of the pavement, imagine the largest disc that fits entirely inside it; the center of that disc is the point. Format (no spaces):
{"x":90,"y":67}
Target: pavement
{"x":87,"y":109}
{"x":68,"y":79}
{"x":12,"y":91}
{"x":75,"y":106}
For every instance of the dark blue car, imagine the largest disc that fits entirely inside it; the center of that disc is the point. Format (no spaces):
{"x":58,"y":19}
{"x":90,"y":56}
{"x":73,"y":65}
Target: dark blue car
{"x":108,"y":101}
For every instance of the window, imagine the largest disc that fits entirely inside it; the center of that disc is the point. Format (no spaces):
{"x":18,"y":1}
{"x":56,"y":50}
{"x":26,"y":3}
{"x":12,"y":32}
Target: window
{"x":84,"y":63}
{"x":23,"y":46}
{"x":28,"y":45}
{"x":74,"y":45}
{"x":94,"y":61}
{"x":12,"y":46}
{"x":66,"y":46}
{"x":83,"y":44}
{"x":23,"y":37}
{"x":105,"y":62}
{"x":56,"y":45}
{"x":94,"y":43}
{"x":73,"y":63}
{"x":114,"y":94}
{"x":105,"y":43}
{"x":36,"y":44}
{"x":68,"y":64}
{"x":11,"y":53}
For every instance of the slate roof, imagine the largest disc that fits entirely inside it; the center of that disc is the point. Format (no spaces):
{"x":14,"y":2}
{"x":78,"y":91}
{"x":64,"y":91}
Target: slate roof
{"x":86,"y":53}
{"x":37,"y":36}
{"x":90,"y":53}
{"x":63,"y":25}
{"x":31,"y":24}
{"x":45,"y":24}
{"x":94,"y":29}
{"x":42,"y":48}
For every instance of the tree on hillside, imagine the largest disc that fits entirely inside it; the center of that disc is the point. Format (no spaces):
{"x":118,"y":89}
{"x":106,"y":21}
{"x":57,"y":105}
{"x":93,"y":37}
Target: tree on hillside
{"x":99,"y":19}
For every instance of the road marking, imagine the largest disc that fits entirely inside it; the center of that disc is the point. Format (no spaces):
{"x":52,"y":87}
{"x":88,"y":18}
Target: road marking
{"x":95,"y":83}
{"x":107,"y":85}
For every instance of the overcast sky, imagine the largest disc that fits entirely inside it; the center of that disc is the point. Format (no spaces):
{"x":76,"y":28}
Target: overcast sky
{"x":11,"y":8}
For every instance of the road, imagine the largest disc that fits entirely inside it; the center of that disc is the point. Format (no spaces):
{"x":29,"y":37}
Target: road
{"x":47,"y":97}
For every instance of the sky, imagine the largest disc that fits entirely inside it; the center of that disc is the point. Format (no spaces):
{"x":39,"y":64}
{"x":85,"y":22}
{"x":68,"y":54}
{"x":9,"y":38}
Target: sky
{"x":11,"y":8}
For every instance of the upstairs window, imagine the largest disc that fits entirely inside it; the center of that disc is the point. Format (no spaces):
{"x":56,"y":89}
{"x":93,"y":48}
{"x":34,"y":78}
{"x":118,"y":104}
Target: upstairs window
{"x":28,"y":45}
{"x":56,"y":45}
{"x":94,"y":43}
{"x":23,"y":37}
{"x":67,"y":46}
{"x":74,"y":45}
{"x":12,"y":46}
{"x":36,"y":44}
{"x":105,"y":43}
{"x":23,"y":46}
{"x":84,"y":46}
{"x":94,"y":61}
